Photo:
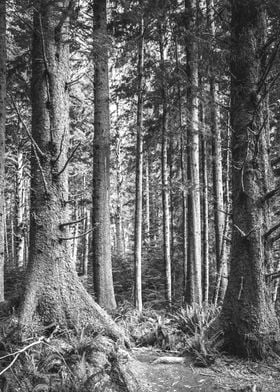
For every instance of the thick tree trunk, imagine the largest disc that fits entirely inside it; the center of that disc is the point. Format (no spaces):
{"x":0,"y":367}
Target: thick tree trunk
{"x":101,"y":237}
{"x":2,"y":139}
{"x":195,"y":210}
{"x":164,"y":179}
{"x":53,"y":292}
{"x":139,"y":177}
{"x":249,"y":322}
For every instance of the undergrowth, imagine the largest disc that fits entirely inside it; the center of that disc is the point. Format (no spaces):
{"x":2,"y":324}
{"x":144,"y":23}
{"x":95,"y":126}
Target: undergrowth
{"x":191,"y":330}
{"x":82,"y":360}
{"x":69,"y":361}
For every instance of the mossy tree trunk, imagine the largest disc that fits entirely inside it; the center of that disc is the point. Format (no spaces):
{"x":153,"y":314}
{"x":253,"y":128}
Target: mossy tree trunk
{"x":2,"y":138}
{"x":53,"y":292}
{"x":249,"y":322}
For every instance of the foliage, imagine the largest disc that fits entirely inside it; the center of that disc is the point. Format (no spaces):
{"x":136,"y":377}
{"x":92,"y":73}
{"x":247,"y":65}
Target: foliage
{"x":69,"y":361}
{"x":192,"y":329}
{"x":203,"y":337}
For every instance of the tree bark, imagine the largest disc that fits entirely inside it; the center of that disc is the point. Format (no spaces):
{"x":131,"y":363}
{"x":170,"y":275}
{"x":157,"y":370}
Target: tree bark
{"x":2,"y":139}
{"x":101,"y":236}
{"x":219,"y":214}
{"x":195,"y":208}
{"x":249,"y":322}
{"x":20,"y":207}
{"x":164,"y":178}
{"x":139,"y":176}
{"x":205,"y":214}
{"x":52,"y":291}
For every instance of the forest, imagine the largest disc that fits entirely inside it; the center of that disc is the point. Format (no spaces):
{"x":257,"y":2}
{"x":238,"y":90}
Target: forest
{"x":139,"y":195}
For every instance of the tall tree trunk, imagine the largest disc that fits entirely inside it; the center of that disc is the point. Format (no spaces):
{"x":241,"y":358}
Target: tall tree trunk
{"x":53,"y":292}
{"x":183,"y":172}
{"x":20,"y":206}
{"x":164,"y":176}
{"x":120,"y":246}
{"x":195,"y":221}
{"x":75,"y":234}
{"x":249,"y":322}
{"x":219,"y":213}
{"x":139,"y":177}
{"x":101,"y":236}
{"x":205,"y":198}
{"x":148,"y":215}
{"x":2,"y":139}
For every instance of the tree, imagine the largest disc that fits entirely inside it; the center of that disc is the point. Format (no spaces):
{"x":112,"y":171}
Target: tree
{"x":52,"y":291}
{"x":164,"y":169}
{"x":2,"y":139}
{"x":139,"y":174}
{"x":101,"y":238}
{"x":194,"y":211}
{"x":249,"y":322}
{"x":219,"y":213}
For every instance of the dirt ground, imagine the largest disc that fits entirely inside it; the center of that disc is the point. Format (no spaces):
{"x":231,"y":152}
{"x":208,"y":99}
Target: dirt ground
{"x":227,"y":374}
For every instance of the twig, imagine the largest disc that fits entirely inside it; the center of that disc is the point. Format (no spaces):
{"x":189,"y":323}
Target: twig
{"x":17,"y":354}
{"x":26,"y":128}
{"x":41,"y":171}
{"x":275,"y":238}
{"x":241,"y":288}
{"x":77,"y":236}
{"x":73,"y":222}
{"x":241,"y":232}
{"x":270,"y":194}
{"x":267,"y":234}
{"x":60,"y":147}
{"x":273,"y":275}
{"x":68,"y":160}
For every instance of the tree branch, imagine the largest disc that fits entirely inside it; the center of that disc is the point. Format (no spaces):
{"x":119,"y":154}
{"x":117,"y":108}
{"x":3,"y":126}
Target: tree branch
{"x":68,"y":160}
{"x":270,"y":194}
{"x":35,"y":145}
{"x":275,"y":161}
{"x":273,"y":275}
{"x":17,"y":354}
{"x":77,"y":236}
{"x":275,"y":238}
{"x":72,"y":222}
{"x":60,"y":147}
{"x":267,"y":234}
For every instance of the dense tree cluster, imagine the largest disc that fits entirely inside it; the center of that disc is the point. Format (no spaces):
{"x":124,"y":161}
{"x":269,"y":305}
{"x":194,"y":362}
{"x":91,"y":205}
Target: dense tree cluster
{"x":141,"y":160}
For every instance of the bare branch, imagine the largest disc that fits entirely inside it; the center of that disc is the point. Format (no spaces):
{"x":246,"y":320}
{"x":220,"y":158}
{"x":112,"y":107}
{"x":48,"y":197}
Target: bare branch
{"x":275,"y":238}
{"x":273,"y":275}
{"x":60,"y":147}
{"x":34,"y":144}
{"x":267,"y":234}
{"x":242,"y":233}
{"x":17,"y":354}
{"x":275,"y":161}
{"x":77,"y":236}
{"x":69,"y":159}
{"x":73,"y":222}
{"x":270,"y":194}
{"x":41,"y":170}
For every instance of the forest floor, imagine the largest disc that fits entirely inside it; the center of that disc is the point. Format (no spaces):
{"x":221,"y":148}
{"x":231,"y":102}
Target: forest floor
{"x":227,"y":374}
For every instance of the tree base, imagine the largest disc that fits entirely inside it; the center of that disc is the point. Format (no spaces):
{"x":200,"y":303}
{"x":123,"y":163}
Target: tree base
{"x":252,"y":345}
{"x":80,"y":360}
